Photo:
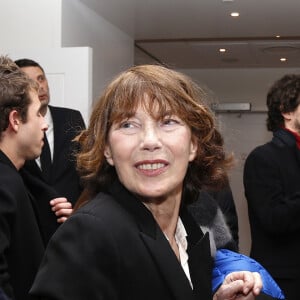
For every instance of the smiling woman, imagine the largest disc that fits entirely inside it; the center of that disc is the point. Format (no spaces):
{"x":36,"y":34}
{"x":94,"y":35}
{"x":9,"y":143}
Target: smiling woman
{"x":151,"y":145}
{"x":151,"y":155}
{"x":163,"y":95}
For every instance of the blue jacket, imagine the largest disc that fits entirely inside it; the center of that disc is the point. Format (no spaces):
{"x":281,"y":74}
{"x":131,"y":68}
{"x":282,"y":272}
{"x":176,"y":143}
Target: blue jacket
{"x":2,"y":295}
{"x":227,"y":261}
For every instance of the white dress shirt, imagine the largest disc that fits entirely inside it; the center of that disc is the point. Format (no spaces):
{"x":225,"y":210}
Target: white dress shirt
{"x":49,"y":134}
{"x":181,"y":241}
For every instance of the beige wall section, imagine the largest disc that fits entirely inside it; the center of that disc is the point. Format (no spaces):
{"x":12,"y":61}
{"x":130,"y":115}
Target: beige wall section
{"x":239,"y":85}
{"x":242,"y":131}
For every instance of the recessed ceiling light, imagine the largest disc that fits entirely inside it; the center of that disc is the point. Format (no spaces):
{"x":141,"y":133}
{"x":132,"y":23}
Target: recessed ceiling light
{"x":283,"y":59}
{"x":222,"y":50}
{"x":235,"y":14}
{"x":277,"y":36}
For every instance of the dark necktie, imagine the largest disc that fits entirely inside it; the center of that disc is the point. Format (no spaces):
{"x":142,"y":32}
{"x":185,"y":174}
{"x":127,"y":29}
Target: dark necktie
{"x":45,"y":158}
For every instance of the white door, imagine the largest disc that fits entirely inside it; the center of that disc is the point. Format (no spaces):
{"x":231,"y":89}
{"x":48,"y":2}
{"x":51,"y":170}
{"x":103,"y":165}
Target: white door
{"x":69,"y":72}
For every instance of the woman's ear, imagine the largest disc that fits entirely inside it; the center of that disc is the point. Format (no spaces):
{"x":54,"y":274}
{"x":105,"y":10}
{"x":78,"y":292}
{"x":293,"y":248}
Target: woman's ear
{"x":193,"y":149}
{"x":108,"y":156}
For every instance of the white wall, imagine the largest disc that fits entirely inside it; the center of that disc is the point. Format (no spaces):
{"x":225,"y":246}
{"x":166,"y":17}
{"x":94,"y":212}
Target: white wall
{"x":239,"y":85}
{"x":30,"y":23}
{"x":42,"y":24}
{"x":113,"y":49}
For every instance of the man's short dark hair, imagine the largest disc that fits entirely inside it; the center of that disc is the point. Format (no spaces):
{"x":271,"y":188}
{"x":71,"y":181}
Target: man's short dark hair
{"x":25,"y":62}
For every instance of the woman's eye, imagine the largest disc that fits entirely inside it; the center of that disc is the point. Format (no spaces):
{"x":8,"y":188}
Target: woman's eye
{"x":128,"y":127}
{"x":170,"y":121}
{"x":126,"y":124}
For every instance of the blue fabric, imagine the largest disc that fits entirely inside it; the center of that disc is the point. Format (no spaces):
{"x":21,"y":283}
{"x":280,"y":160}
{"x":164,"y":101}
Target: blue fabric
{"x":227,"y":261}
{"x":2,"y":295}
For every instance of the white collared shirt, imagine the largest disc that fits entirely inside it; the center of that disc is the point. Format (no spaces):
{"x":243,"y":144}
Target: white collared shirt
{"x":49,"y":134}
{"x":181,"y":241}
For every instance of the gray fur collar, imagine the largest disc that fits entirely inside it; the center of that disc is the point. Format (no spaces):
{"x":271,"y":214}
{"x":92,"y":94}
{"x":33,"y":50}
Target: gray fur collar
{"x":210,"y":218}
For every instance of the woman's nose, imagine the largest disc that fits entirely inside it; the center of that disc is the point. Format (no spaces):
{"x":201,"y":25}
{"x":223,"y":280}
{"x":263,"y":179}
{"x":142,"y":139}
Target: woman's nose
{"x":151,"y":138}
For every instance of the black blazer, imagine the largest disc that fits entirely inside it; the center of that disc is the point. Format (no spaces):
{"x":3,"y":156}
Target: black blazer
{"x":64,"y":181}
{"x":112,"y":248}
{"x":272,"y":189}
{"x":21,"y":246}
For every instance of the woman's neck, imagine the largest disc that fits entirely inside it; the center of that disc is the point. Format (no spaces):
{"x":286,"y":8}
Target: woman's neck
{"x":166,"y":214}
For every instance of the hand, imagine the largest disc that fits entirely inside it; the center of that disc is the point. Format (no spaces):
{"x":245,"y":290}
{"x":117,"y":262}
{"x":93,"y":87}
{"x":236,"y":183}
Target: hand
{"x":62,"y":208}
{"x":243,"y":285}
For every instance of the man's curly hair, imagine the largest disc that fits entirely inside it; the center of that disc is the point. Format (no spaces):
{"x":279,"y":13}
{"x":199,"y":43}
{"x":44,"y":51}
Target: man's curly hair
{"x":283,"y":97}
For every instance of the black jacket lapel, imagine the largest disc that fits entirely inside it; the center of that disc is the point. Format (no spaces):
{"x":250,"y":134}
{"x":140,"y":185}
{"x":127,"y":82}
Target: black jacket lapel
{"x":200,"y":260}
{"x":162,"y":253}
{"x":169,"y":266}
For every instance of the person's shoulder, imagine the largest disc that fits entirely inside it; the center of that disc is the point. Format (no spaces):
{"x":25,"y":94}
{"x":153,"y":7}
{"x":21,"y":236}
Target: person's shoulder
{"x":12,"y":188}
{"x":101,"y":204}
{"x":65,"y":110}
{"x":103,"y":210}
{"x":261,"y":150}
{"x":68,"y":116}
{"x":262,"y":147}
{"x":263,"y":156}
{"x":8,"y":175}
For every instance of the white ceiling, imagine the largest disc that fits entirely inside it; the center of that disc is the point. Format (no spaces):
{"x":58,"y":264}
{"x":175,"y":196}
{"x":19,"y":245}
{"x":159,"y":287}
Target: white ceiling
{"x":189,"y":33}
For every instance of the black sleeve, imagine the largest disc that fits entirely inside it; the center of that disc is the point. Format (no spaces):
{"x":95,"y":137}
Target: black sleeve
{"x":80,"y":262}
{"x":41,"y":194}
{"x":8,"y":209}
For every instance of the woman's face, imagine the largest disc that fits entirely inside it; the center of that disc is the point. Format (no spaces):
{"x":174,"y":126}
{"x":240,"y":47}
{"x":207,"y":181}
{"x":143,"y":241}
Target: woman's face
{"x":151,"y":156}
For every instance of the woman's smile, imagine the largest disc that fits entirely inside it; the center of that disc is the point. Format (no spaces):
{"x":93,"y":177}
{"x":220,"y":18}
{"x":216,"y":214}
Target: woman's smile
{"x":152,"y":168}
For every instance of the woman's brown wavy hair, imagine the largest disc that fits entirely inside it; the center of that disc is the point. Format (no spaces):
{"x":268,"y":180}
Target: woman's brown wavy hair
{"x":170,"y":90}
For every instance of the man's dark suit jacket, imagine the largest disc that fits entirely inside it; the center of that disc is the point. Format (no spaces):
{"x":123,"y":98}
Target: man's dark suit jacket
{"x":21,"y":245}
{"x":272,"y":189}
{"x":112,"y":248}
{"x":64,"y":181}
